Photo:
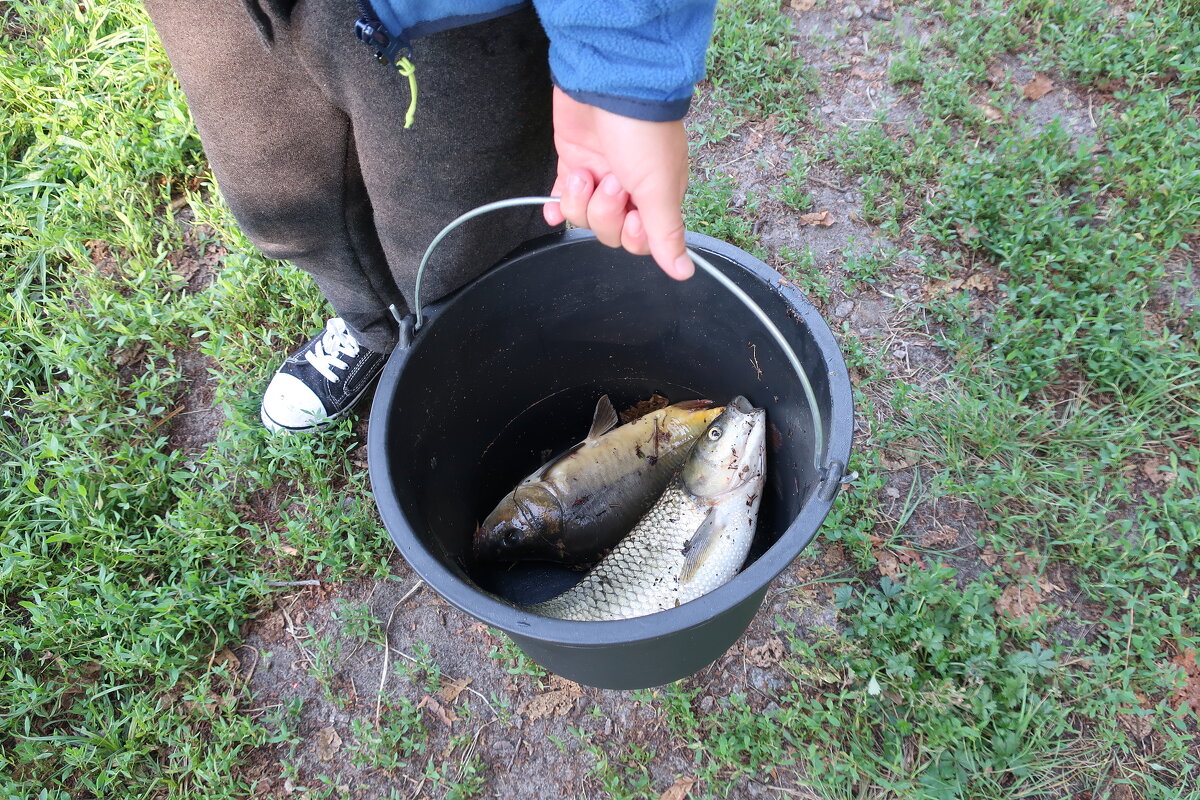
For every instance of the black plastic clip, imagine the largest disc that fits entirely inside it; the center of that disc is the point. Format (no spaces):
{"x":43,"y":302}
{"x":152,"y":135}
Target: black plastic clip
{"x":388,"y":49}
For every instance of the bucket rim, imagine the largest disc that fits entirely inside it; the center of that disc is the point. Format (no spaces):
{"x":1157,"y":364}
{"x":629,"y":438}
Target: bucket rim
{"x":751,"y":581}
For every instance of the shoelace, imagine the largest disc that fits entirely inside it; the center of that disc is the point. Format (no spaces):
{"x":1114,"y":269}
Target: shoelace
{"x":334,"y":343}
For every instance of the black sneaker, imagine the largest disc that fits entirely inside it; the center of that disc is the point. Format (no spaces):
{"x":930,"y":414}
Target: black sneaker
{"x":320,"y":383}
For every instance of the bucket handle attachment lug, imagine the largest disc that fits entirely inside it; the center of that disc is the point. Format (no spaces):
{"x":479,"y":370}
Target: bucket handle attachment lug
{"x":698,"y":260}
{"x":833,"y":478}
{"x":404,"y":328}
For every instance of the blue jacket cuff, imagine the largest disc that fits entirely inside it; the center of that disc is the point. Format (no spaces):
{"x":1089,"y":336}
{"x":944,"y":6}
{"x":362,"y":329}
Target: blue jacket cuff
{"x":649,"y":110}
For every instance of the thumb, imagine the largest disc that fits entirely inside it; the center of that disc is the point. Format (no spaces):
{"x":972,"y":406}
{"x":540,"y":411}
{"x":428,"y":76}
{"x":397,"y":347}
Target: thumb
{"x":663,"y":223}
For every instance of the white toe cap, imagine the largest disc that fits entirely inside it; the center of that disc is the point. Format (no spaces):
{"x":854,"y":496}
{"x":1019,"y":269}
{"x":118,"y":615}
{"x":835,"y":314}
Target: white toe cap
{"x":289,"y":405}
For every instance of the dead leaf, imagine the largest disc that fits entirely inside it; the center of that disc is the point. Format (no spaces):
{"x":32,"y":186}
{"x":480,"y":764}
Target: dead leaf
{"x":447,"y":716}
{"x":941,"y":288}
{"x":127,"y":355}
{"x":941,"y":538}
{"x":990,"y":111}
{"x":889,"y":564}
{"x":328,"y":743}
{"x":765,"y":655}
{"x":1157,"y":469}
{"x":1037,"y":88}
{"x":678,"y":790}
{"x":967,"y":232}
{"x":866,"y":74}
{"x":822,"y":218}
{"x":289,"y":550}
{"x":1046,"y":585}
{"x":989,"y":556}
{"x":207,"y":705}
{"x":835,"y":556}
{"x":1137,"y":724}
{"x":980,"y":282}
{"x":996,"y":74}
{"x":644,"y":407}
{"x":1025,"y":563}
{"x":82,"y":680}
{"x":226,"y":658}
{"x":556,"y":702}
{"x":450,"y":691}
{"x":1019,"y":600}
{"x":803,"y":5}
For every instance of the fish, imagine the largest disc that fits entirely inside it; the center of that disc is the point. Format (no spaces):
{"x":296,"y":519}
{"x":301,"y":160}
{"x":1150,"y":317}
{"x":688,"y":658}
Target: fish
{"x":694,"y":539}
{"x":578,"y":505}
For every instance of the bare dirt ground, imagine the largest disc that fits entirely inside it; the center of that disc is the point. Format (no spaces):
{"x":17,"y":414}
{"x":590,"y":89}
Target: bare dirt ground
{"x":524,"y":732}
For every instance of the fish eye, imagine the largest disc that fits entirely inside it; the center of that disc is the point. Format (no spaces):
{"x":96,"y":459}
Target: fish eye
{"x":714,"y":434}
{"x":510,"y":535}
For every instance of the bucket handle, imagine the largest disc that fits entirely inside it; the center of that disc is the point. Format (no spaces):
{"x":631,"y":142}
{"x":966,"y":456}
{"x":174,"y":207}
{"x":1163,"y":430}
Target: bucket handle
{"x":831,"y":475}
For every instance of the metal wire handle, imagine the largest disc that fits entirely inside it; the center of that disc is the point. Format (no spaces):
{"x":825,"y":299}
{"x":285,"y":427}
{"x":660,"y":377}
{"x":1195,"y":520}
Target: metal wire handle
{"x":700,"y":261}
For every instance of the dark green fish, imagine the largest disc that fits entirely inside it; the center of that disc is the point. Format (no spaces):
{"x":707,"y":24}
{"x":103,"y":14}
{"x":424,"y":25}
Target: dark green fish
{"x":580,"y":504}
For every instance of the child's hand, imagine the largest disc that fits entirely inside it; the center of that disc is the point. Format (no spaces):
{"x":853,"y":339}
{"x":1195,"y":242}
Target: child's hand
{"x":624,"y":179}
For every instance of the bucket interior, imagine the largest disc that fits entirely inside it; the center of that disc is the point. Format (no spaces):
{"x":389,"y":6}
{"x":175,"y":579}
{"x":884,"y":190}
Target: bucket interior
{"x":506,"y":373}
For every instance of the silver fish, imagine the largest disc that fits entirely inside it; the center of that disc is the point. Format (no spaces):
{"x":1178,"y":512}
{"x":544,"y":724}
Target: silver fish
{"x":694,"y":539}
{"x":577,"y":506}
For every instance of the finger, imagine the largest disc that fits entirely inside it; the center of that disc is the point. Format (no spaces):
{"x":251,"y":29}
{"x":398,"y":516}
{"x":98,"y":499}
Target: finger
{"x":577,"y":191}
{"x":633,"y":235}
{"x":606,"y":211}
{"x":659,"y":206}
{"x":552,"y":212}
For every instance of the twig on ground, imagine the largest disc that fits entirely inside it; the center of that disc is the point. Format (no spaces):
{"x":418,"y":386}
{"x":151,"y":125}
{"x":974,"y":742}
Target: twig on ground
{"x":213,"y":654}
{"x":387,"y":650}
{"x":288,"y":584}
{"x":824,"y":579}
{"x":172,"y":413}
{"x":291,"y":629}
{"x":828,"y":184}
{"x":254,"y":666}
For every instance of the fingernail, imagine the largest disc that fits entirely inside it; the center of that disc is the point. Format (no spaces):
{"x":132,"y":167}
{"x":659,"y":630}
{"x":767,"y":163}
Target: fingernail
{"x":575,"y":184}
{"x":633,"y":224}
{"x":610,"y":185}
{"x":683,"y":268}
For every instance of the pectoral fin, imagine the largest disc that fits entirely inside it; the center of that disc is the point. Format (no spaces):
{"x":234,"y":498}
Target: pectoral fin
{"x":604,"y":420}
{"x":700,"y":546}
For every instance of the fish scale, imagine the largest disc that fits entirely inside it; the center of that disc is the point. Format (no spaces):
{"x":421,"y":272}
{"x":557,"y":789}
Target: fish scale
{"x":640,"y":576}
{"x":693,"y":539}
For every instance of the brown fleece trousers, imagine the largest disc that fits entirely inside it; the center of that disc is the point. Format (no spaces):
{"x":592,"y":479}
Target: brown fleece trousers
{"x":304,"y":132}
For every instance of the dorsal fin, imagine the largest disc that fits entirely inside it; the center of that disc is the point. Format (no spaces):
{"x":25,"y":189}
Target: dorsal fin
{"x":700,"y":545}
{"x":604,"y":420}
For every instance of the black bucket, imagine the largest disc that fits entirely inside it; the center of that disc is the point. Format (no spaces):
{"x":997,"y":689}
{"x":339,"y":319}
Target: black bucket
{"x":507,"y":371}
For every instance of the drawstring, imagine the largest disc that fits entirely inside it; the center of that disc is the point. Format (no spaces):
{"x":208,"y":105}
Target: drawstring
{"x":409,"y":70}
{"x":388,"y":50}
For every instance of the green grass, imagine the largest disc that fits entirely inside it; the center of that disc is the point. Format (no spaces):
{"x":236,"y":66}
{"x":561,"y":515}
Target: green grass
{"x":755,"y":73}
{"x":126,"y":563}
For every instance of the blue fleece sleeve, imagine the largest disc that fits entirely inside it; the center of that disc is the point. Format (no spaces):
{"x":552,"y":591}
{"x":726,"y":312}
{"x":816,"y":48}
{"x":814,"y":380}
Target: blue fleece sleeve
{"x":637,"y":58}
